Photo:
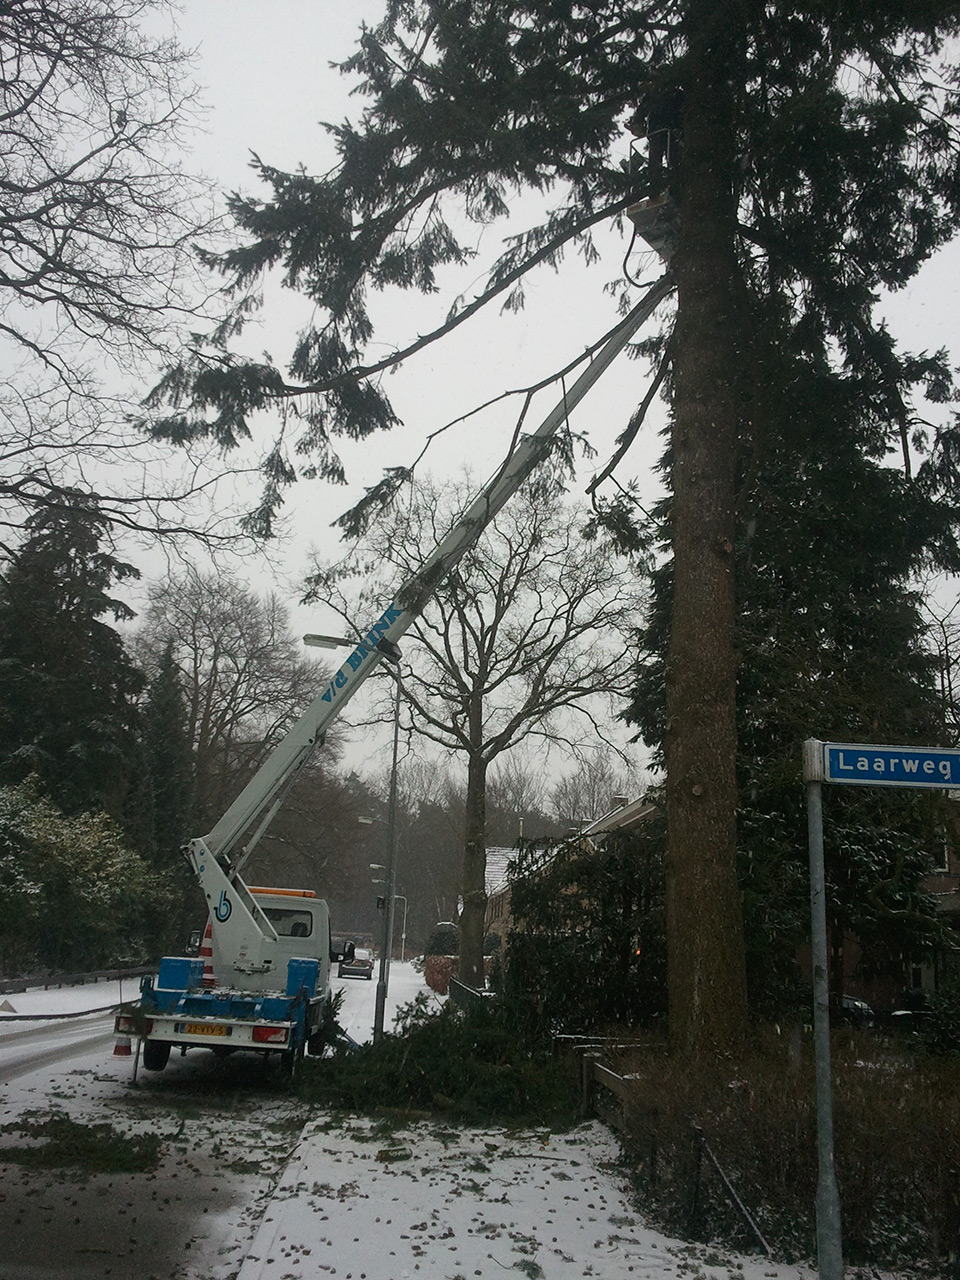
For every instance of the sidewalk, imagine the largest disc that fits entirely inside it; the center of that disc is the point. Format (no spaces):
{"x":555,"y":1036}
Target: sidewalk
{"x":362,"y":1200}
{"x":366,"y":1199}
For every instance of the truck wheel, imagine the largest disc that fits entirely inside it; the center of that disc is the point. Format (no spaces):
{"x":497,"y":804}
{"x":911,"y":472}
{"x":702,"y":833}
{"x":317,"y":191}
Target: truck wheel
{"x":156,"y":1054}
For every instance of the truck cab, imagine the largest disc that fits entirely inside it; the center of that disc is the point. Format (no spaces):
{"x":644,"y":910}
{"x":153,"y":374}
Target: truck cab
{"x":302,"y":925}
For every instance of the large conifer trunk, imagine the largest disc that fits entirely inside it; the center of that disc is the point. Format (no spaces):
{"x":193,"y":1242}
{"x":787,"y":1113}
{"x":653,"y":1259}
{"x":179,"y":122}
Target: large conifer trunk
{"x":707,"y":993}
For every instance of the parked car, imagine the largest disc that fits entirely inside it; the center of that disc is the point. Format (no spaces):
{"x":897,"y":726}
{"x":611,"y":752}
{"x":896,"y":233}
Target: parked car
{"x":852,"y":1012}
{"x":361,"y":966}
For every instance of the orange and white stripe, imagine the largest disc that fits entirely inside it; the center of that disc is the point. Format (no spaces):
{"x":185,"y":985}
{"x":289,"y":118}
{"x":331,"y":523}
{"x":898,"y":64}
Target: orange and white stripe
{"x":206,"y":953}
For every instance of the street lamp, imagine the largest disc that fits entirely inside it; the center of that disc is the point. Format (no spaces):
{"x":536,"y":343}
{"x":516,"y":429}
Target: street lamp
{"x":329,"y":642}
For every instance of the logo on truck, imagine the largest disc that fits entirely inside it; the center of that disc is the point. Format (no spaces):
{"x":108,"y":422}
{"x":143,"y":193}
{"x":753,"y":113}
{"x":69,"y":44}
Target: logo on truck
{"x":224,"y":907}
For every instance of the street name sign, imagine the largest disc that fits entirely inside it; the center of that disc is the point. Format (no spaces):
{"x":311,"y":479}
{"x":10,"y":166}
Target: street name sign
{"x":867,"y":765}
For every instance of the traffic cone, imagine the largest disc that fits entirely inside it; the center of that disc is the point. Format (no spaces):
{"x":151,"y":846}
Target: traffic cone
{"x":206,"y":951}
{"x":121,"y":1048}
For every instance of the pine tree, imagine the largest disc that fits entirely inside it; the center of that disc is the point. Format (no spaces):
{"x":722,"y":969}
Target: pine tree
{"x":818,"y":166}
{"x":832,"y":646}
{"x":68,"y":689}
{"x":167,"y":744}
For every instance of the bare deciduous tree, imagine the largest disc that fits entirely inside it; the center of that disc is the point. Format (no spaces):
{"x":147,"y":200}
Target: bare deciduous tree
{"x":943,"y":637}
{"x":98,"y":221}
{"x":587,"y":791}
{"x":516,"y":647}
{"x":244,"y":682}
{"x":515,"y":792}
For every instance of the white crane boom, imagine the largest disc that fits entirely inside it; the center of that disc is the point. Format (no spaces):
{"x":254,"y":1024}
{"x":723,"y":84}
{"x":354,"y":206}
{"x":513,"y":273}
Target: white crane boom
{"x":261,"y":797}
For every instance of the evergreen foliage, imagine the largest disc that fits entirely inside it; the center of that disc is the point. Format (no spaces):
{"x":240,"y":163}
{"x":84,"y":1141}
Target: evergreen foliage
{"x":444,"y":940}
{"x":586,"y":952}
{"x":73,"y":895}
{"x":832,"y":646}
{"x":846,"y":181}
{"x":469,"y":1065}
{"x":831,"y":634}
{"x":68,"y":689}
{"x":169,"y":757}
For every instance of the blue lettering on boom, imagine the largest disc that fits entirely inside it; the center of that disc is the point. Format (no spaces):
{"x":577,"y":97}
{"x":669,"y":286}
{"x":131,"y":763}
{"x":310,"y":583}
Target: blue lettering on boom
{"x":362,"y":652}
{"x":356,"y":658}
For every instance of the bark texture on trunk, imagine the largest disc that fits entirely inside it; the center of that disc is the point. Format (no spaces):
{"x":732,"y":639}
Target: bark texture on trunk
{"x":706,"y":978}
{"x":473,"y":875}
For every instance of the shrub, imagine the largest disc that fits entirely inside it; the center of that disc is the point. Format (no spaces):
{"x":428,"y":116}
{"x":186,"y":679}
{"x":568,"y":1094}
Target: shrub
{"x":588,"y":950}
{"x":940,"y":1024}
{"x":444,"y":941}
{"x":72,"y":895}
{"x":896,"y":1136}
{"x":469,"y":1064}
{"x":438,"y":970}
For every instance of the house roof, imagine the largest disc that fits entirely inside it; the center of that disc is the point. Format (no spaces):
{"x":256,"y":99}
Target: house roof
{"x":621,"y":818}
{"x":498,"y":859}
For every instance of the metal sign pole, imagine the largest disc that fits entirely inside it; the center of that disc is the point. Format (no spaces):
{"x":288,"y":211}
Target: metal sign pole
{"x":829,"y":1246}
{"x":862,"y":765}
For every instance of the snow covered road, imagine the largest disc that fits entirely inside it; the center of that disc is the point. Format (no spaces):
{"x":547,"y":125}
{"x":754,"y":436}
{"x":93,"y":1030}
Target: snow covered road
{"x":253,"y":1187}
{"x":25,"y":1051}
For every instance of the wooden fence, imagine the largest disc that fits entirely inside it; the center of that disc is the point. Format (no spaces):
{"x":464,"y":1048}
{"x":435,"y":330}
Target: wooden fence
{"x":595,"y":1075}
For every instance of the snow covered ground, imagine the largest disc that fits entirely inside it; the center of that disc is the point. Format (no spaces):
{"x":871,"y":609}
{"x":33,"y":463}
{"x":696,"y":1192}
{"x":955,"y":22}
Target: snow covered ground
{"x":62,"y":1000}
{"x":355,"y":1198}
{"x":360,"y":1201}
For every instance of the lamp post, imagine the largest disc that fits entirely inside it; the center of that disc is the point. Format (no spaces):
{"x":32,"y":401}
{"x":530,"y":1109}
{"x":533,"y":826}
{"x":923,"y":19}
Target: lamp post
{"x":391,"y":653}
{"x":391,"y":869}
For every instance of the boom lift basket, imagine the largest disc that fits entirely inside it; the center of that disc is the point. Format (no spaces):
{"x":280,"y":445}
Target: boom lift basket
{"x":657,"y":221}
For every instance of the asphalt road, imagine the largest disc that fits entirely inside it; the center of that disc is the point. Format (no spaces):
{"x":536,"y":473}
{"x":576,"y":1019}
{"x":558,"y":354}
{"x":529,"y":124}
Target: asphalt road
{"x":227,"y":1128}
{"x":24,"y":1052}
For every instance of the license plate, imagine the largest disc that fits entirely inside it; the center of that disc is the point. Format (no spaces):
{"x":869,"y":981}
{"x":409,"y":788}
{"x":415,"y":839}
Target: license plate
{"x":202,"y":1029}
